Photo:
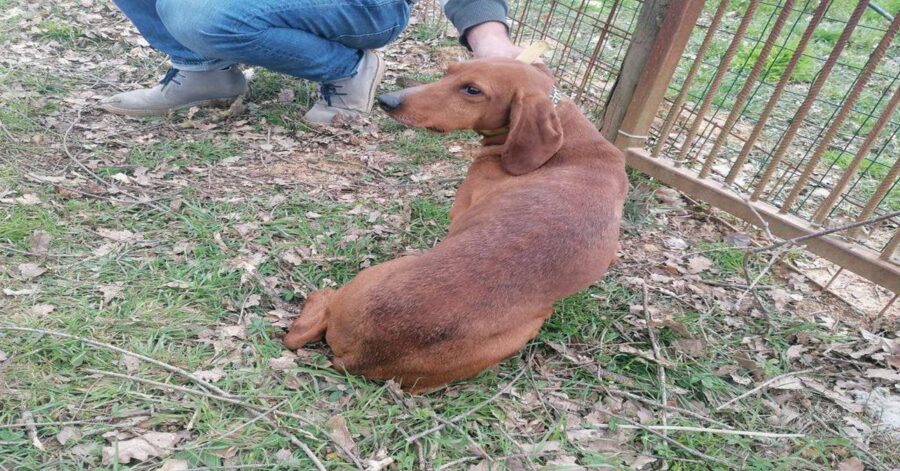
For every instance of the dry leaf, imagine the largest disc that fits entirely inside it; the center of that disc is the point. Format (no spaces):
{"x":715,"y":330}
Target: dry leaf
{"x":699,"y":264}
{"x":787,"y":383}
{"x":111,"y":291}
{"x":286,"y":95}
{"x":795,"y":351}
{"x":379,"y":465}
{"x":851,"y":464}
{"x":120,"y":236}
{"x":597,"y":440}
{"x":691,"y":347}
{"x":174,"y":465}
{"x":19,"y":292}
{"x":838,"y":398}
{"x":31,"y":270}
{"x":211,"y":376}
{"x":252,"y":301}
{"x":645,"y":355}
{"x":68,"y":434}
{"x":340,"y":434}
{"x":28,"y":199}
{"x":39,"y":242}
{"x":883,"y":373}
{"x":131,"y":363}
{"x":42,"y":309}
{"x":283,"y":455}
{"x":281,"y":363}
{"x":246,"y":230}
{"x":149,"y":445}
{"x":237,"y":331}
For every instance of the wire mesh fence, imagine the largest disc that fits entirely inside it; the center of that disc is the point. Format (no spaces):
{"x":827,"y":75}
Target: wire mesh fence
{"x":793,"y":102}
{"x":589,"y":39}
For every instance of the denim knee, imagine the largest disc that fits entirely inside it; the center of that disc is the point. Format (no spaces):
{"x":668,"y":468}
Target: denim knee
{"x":209,"y":27}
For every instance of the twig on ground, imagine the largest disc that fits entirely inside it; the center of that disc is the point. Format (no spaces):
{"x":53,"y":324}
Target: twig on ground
{"x":101,"y":180}
{"x":165,"y":366}
{"x":230,"y":400}
{"x":73,"y":158}
{"x":296,"y":441}
{"x":660,"y":370}
{"x":671,"y":441}
{"x":4,"y":248}
{"x":751,"y":281}
{"x":263,"y":413}
{"x":687,"y":412}
{"x":420,"y":450}
{"x":765,"y":384}
{"x":28,"y":419}
{"x":253,"y":420}
{"x":825,"y":232}
{"x":471,"y":411}
{"x":716,"y":431}
{"x":859,"y":446}
{"x":78,"y":422}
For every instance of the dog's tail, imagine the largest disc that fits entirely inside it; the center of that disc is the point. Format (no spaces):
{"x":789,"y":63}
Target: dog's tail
{"x":313,"y":320}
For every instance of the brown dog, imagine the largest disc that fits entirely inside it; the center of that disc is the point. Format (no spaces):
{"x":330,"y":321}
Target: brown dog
{"x":536,"y":220}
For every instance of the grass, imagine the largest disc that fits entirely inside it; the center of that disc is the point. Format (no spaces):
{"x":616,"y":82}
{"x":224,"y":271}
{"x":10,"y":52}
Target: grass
{"x":56,"y":31}
{"x":181,"y":153}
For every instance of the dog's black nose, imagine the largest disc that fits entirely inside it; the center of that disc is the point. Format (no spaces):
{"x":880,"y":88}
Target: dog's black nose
{"x":389,"y":101}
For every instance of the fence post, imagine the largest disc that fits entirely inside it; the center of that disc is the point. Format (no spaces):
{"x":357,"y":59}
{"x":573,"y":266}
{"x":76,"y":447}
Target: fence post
{"x":662,"y":32}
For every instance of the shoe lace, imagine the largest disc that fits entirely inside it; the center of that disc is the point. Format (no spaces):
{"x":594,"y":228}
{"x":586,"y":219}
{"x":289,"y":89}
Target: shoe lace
{"x":171,"y":74}
{"x":328,"y":91}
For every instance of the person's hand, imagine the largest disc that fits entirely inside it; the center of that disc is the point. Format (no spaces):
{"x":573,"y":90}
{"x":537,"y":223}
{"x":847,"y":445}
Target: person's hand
{"x":491,"y":40}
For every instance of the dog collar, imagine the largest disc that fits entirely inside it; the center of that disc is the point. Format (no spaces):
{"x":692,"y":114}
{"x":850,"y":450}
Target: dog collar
{"x":555,"y":97}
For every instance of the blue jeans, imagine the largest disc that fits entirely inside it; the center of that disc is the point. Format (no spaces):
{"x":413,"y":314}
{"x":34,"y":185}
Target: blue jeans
{"x":319,"y":40}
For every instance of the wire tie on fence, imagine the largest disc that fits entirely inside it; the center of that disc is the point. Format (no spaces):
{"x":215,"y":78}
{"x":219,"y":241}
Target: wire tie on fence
{"x":633,"y":136}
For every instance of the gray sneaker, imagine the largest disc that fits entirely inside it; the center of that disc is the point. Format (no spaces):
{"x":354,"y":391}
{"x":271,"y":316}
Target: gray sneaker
{"x":180,"y":89}
{"x":353,"y":96}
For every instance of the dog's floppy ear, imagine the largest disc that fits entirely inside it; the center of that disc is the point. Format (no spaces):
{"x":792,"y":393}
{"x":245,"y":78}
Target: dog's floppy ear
{"x":535,"y":134}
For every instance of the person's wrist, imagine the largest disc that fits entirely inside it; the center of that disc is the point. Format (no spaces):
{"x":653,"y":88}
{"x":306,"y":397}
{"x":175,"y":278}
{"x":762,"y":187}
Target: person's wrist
{"x":491,"y":39}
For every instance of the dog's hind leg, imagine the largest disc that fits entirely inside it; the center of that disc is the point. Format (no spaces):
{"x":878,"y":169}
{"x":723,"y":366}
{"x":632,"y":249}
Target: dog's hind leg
{"x":310,"y":326}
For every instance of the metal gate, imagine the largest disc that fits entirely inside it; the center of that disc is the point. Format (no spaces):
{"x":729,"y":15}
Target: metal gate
{"x":764,"y":109}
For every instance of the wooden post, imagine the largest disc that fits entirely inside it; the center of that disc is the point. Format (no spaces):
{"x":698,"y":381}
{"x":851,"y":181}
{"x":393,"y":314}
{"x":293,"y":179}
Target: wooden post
{"x":662,"y":32}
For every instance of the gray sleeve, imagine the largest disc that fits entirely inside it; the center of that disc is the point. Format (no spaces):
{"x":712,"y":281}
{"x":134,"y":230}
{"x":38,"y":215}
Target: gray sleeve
{"x":465,"y":14}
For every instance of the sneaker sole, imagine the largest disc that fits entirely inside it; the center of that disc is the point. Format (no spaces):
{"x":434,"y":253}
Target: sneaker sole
{"x":218,"y":103}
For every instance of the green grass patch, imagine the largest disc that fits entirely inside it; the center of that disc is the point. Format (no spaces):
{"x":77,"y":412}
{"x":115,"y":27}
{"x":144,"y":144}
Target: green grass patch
{"x":183,"y":153}
{"x":62,"y":32}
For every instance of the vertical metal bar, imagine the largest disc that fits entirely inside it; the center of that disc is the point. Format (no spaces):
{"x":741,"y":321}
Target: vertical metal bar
{"x":742,"y":96}
{"x":659,"y":42}
{"x":520,"y":29}
{"x":814,"y":21}
{"x":861,"y":82}
{"x":717,"y":80}
{"x":568,"y":42}
{"x":553,"y":4}
{"x":861,"y":154}
{"x":597,"y":49}
{"x":675,"y":110}
{"x":888,"y":305}
{"x":879,"y":194}
{"x":797,"y":119}
{"x":891,"y":247}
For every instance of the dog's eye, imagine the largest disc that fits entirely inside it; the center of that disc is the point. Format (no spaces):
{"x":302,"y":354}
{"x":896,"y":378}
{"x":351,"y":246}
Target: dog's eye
{"x":471,"y":90}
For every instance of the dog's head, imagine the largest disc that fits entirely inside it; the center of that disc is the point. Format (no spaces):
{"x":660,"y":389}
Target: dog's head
{"x":493,"y":96}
